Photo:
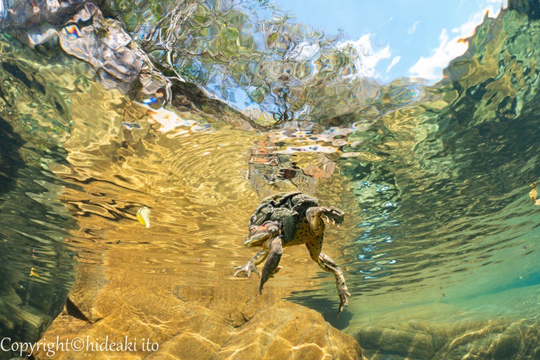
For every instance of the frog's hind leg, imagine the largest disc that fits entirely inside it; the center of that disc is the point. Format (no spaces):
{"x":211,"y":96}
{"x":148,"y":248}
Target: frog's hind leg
{"x":327,"y":264}
{"x":252,"y":264}
{"x":271,"y":266}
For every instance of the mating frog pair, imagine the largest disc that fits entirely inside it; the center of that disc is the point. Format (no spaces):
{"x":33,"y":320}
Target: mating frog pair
{"x":289,"y":219}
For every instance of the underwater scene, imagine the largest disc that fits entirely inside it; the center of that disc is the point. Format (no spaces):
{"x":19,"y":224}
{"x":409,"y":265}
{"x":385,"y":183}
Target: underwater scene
{"x":256,"y":179}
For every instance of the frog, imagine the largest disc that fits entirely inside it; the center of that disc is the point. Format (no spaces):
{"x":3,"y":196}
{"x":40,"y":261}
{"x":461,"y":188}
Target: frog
{"x":289,"y":219}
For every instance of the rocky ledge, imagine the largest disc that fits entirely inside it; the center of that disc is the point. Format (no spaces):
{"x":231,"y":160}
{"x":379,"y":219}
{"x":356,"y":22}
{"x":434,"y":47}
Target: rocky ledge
{"x":187,"y":323}
{"x":282,"y":330}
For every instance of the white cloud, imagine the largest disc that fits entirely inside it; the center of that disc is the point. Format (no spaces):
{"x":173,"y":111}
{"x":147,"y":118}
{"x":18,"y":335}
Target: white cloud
{"x":431,"y":67}
{"x":412,"y":29}
{"x":395,"y":60}
{"x":366,"y":57}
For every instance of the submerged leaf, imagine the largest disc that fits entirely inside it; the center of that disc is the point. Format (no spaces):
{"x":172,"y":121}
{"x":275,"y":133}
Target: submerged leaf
{"x":33,"y":273}
{"x":143,"y":215}
{"x":533,"y":194}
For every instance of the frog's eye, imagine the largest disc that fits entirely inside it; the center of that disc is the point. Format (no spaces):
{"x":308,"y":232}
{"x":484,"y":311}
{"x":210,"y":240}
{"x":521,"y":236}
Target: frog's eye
{"x":252,"y":230}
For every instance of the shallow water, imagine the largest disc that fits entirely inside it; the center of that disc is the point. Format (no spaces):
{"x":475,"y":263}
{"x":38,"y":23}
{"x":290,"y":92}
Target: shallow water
{"x":440,"y":234}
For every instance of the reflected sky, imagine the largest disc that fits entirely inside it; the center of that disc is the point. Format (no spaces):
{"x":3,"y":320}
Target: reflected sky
{"x":399,"y":38}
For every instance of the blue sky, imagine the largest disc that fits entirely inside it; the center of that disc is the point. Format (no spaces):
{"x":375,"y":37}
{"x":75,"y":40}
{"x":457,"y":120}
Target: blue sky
{"x":413,"y":38}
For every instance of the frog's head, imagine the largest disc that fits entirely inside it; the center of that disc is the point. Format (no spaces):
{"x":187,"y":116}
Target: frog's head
{"x":258,"y":234}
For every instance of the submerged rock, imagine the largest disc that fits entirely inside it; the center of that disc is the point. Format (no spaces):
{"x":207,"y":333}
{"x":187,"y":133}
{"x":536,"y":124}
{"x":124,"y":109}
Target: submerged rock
{"x":282,"y":330}
{"x":188,"y":322}
{"x":83,"y":31}
{"x":489,"y":339}
{"x":288,"y":331}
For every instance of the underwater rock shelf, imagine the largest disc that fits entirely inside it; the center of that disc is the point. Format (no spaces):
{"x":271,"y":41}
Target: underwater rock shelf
{"x":278,"y":330}
{"x":497,"y":339}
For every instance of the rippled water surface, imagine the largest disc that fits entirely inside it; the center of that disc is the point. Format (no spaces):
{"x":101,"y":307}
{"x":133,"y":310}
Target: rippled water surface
{"x":440,"y":229}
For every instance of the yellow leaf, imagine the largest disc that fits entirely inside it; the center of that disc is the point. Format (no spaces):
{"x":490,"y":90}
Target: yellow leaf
{"x":533,"y":194}
{"x":33,"y":273}
{"x":143,"y":215}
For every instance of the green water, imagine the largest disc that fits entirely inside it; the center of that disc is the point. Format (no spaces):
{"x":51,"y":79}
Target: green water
{"x":440,"y":245}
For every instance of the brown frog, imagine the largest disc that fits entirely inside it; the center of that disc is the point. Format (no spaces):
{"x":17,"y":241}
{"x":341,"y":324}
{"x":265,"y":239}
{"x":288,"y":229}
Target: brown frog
{"x":289,"y":219}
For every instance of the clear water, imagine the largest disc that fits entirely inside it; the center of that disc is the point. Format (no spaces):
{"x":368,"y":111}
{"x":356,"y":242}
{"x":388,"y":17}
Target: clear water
{"x":440,"y":237}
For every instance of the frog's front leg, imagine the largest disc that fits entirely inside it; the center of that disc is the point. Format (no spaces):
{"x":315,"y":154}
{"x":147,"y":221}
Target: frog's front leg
{"x":271,"y":266}
{"x":252,"y":264}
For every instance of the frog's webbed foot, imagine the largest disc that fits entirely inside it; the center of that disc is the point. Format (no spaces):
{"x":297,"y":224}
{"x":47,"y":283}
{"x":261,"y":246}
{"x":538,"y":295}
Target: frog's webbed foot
{"x":327,"y":264}
{"x":248,"y":269}
{"x":271,"y":266}
{"x":343,"y":293}
{"x":251,"y":266}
